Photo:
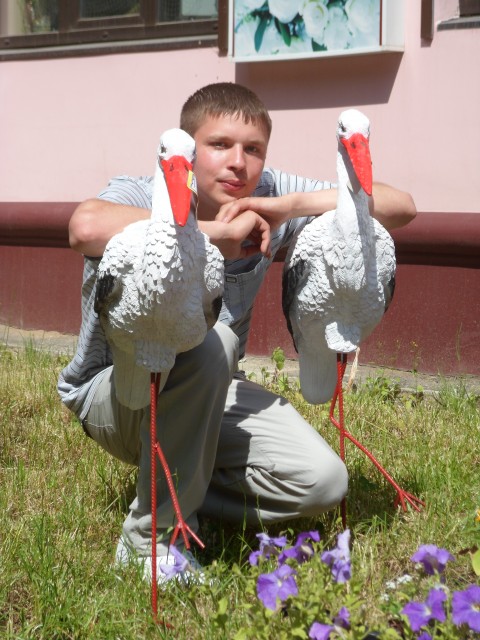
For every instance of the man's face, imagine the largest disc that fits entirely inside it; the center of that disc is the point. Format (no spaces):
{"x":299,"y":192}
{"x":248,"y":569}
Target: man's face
{"x":229,"y":161}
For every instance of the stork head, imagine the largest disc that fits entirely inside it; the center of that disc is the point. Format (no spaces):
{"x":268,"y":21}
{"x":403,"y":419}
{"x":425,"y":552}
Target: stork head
{"x":353,"y":132}
{"x":176,"y":153}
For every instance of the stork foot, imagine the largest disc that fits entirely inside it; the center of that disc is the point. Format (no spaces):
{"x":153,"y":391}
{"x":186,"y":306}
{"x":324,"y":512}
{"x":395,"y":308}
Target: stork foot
{"x":183,"y":528}
{"x":404,"y":496}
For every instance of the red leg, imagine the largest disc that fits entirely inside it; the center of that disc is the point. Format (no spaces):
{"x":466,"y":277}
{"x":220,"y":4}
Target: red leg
{"x":181,"y":525}
{"x":153,"y":466}
{"x":338,"y":394}
{"x":402,"y":495}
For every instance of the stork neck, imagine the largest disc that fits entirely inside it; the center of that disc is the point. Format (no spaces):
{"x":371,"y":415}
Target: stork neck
{"x":161,"y":207}
{"x":352,"y":214}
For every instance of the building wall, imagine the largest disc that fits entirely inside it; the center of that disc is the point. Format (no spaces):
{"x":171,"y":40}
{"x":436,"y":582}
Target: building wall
{"x":68,"y":125}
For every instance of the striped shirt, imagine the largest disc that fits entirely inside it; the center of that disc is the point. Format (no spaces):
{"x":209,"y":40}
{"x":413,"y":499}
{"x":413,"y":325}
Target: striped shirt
{"x":78,"y":381}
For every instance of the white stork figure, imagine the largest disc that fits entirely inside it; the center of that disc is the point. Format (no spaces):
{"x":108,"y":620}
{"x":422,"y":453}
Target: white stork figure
{"x":159,"y":290}
{"x":339,"y":279}
{"x":160,"y":281}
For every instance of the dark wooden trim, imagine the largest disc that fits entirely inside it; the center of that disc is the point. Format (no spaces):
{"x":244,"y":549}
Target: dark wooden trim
{"x":114,"y":32}
{"x":108,"y":48}
{"x":443,"y":239}
{"x":35,"y":224}
{"x":426,"y":21}
{"x":469,"y":7}
{"x":469,"y":22}
{"x":223,"y":27}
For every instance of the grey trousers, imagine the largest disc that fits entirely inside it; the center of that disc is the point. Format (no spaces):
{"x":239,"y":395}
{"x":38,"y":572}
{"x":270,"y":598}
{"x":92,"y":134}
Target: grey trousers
{"x":235,"y":450}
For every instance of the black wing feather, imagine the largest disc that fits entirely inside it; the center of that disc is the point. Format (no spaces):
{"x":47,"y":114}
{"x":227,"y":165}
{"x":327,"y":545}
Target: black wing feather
{"x":291,"y":278}
{"x":103,"y":292}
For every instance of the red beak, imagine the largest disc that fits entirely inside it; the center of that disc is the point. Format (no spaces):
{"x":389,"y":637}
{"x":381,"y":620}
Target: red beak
{"x":358,"y":150}
{"x":178,"y":177}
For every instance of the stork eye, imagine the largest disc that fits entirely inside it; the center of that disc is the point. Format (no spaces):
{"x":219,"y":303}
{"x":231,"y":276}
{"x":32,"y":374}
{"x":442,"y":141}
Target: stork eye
{"x":163,"y":148}
{"x":342,"y":127}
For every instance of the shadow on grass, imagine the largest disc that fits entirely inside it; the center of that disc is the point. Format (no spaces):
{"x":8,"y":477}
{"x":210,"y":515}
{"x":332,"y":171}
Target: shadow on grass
{"x":119,"y":488}
{"x":369,"y":500}
{"x":375,"y":499}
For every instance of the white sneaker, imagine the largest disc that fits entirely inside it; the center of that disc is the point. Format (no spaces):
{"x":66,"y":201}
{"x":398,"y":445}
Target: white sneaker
{"x":178,"y":565}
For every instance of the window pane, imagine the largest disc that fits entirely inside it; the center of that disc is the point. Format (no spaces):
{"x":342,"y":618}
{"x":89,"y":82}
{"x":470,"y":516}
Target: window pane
{"x":28,"y":16}
{"x":171,"y":10}
{"x":105,"y":8}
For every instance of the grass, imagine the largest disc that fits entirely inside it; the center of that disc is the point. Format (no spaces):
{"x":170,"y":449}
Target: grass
{"x":63,"y":501}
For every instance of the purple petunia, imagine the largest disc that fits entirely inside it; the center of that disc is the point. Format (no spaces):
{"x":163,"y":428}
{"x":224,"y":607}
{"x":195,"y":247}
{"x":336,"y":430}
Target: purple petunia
{"x":338,"y":559}
{"x":432,"y":557}
{"x":466,"y":607}
{"x":268,"y":547}
{"x":420,"y":613}
{"x":424,"y":636}
{"x":342,"y":619}
{"x":319,"y":631}
{"x":179,"y":565}
{"x":278,"y":584}
{"x":302,"y":549}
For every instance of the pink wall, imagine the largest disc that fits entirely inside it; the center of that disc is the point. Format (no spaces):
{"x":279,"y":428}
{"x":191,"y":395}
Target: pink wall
{"x":67,"y":125}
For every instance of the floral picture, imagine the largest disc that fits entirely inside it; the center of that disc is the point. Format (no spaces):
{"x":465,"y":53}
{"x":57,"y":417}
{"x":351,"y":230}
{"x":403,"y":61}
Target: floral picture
{"x":302,"y":28}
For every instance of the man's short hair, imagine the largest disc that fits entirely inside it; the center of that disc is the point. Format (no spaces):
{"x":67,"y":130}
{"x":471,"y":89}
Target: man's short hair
{"x":224,"y":99}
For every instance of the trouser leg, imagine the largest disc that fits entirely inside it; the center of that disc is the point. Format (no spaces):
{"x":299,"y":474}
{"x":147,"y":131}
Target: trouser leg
{"x":189,"y":415}
{"x":271,"y":464}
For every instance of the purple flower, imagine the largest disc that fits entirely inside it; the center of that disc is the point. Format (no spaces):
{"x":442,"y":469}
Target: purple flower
{"x":268,"y":547}
{"x":466,"y":607}
{"x":307,"y":535}
{"x":302,"y":550}
{"x":179,"y":565}
{"x":278,"y":584}
{"x":420,"y":613}
{"x":339,"y":558}
{"x":320,"y":631}
{"x":267,"y":541}
{"x":424,"y":636}
{"x":342,"y":619}
{"x":433,"y":558}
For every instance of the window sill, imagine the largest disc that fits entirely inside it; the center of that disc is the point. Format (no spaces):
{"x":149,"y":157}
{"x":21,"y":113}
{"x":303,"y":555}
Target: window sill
{"x":106,"y":48}
{"x":470,"y":22}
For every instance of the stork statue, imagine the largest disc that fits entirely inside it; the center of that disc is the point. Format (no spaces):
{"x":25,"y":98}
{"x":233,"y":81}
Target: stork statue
{"x":159,"y":290}
{"x":338,"y":281}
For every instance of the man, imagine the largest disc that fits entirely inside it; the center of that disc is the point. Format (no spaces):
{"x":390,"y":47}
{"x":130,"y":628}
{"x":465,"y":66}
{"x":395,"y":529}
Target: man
{"x":238,"y":451}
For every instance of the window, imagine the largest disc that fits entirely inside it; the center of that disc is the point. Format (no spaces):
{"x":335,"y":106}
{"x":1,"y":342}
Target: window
{"x":469,"y":8}
{"x":49,"y":23}
{"x":468,"y":17}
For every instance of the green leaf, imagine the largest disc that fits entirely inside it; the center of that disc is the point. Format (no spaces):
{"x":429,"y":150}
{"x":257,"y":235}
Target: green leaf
{"x":476,"y":562}
{"x":298,"y":632}
{"x":221,"y":615}
{"x":284,"y":32}
{"x":222,"y":606}
{"x":278,"y":357}
{"x":259,"y":33}
{"x":318,"y":47}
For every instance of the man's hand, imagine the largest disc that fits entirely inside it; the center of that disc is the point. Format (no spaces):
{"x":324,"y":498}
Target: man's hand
{"x":275,"y":211}
{"x":280,"y":209}
{"x":390,"y":206}
{"x":230,"y":236}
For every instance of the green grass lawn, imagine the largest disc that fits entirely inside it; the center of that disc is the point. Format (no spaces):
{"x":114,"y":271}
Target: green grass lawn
{"x":63,"y":501}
